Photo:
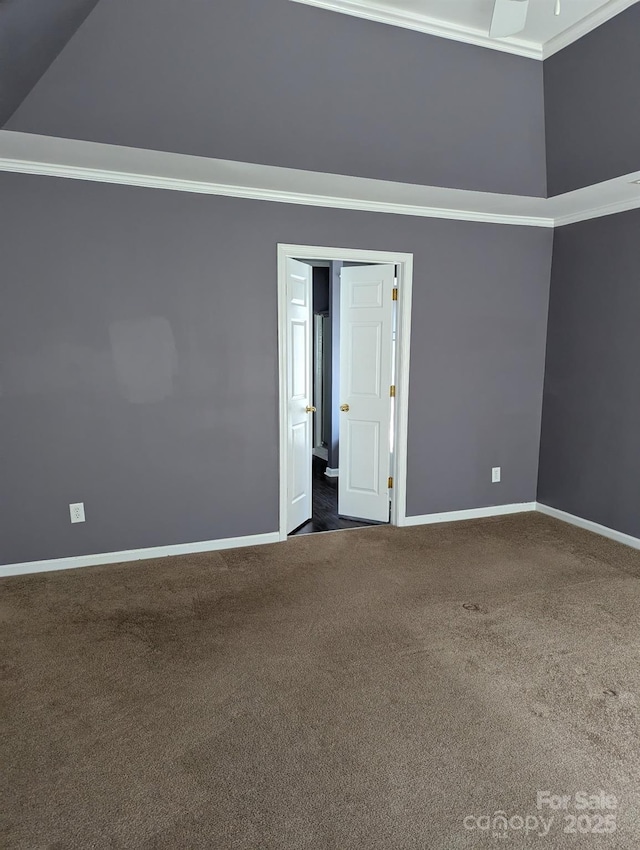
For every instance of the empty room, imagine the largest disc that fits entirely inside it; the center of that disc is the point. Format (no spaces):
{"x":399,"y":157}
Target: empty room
{"x":319,"y":424}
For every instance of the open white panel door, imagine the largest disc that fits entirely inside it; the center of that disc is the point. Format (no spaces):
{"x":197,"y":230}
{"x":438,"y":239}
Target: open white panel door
{"x":366,"y":329}
{"x":299,"y":393}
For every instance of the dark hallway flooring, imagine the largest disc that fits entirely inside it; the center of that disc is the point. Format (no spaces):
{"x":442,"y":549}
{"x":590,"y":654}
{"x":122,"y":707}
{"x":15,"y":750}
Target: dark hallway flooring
{"x":325,"y":505}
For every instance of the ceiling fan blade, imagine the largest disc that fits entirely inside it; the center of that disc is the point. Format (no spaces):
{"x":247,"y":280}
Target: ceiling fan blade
{"x":509,"y":17}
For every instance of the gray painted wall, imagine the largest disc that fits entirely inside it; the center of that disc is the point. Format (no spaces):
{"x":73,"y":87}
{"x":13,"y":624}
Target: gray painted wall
{"x":32,"y":33}
{"x":138,"y":361}
{"x":256,"y":81}
{"x":590,"y":446}
{"x":591,"y":105}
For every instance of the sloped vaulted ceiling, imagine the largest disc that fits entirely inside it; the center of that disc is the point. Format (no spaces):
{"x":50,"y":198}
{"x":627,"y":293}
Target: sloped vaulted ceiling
{"x":32,"y":34}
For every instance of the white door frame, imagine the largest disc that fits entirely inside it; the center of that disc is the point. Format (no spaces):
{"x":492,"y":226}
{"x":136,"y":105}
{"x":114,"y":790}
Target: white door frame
{"x":404,"y":263}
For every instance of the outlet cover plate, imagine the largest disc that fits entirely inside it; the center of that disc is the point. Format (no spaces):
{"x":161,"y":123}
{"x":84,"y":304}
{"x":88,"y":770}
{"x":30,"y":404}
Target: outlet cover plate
{"x":76,"y":512}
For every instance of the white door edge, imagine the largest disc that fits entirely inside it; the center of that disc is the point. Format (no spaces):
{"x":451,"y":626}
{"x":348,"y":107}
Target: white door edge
{"x":404,"y":263}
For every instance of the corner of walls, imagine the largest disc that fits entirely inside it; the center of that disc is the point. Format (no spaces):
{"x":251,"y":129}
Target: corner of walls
{"x":589,"y":464}
{"x":592,"y":131}
{"x":546,"y":351}
{"x":544,"y":128}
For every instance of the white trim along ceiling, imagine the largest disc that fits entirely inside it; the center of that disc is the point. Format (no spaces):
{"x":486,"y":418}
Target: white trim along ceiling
{"x":26,"y":153}
{"x":388,"y":13}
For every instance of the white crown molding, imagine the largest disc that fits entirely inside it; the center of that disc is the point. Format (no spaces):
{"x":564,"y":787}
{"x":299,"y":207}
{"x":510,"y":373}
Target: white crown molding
{"x":431,"y":26}
{"x":260,"y":194}
{"x":601,"y":199}
{"x":137,"y":554}
{"x":373,"y":11}
{"x":585,"y":26}
{"x":598,"y":212}
{"x":588,"y":525}
{"x":79,"y":160}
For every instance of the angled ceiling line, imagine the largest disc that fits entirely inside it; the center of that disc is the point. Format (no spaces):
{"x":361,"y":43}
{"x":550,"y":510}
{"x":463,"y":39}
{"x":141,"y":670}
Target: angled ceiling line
{"x":31,"y":46}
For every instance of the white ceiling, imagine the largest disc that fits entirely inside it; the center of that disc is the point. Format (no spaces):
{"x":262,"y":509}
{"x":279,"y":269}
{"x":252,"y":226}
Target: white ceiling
{"x":542,"y":24}
{"x":469,"y":20}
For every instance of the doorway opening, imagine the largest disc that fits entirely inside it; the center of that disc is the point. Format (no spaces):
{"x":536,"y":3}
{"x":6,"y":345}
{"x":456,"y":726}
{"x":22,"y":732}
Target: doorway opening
{"x":344,"y":319}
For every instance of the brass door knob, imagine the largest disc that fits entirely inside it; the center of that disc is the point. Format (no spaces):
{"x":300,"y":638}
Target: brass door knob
{"x":309,"y":409}
{"x":344,"y":408}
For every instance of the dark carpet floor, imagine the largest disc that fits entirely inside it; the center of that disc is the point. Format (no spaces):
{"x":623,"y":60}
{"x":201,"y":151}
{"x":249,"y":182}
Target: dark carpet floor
{"x":376,"y":689}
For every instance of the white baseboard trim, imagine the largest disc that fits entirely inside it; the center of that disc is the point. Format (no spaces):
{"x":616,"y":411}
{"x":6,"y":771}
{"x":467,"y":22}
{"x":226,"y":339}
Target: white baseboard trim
{"x":588,"y":525}
{"x":321,"y":452}
{"x":137,"y":554}
{"x":472,"y":513}
{"x":331,"y":473}
{"x":274,"y":537}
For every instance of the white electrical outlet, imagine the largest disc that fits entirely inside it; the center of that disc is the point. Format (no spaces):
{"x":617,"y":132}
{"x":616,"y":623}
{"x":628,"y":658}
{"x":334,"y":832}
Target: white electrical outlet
{"x":77,"y":512}
{"x":495,"y":475}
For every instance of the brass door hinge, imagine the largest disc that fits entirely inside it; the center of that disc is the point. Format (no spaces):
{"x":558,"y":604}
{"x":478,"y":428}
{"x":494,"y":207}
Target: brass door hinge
{"x":395,"y":293}
{"x":392,"y":390}
{"x":390,"y":483}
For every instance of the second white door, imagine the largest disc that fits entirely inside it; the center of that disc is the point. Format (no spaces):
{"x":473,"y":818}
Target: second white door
{"x":366,"y":334}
